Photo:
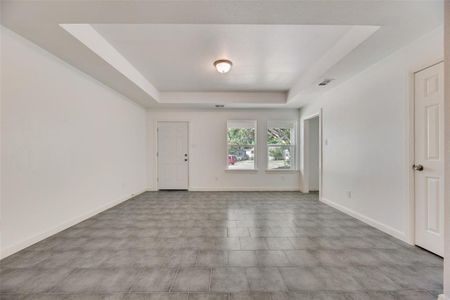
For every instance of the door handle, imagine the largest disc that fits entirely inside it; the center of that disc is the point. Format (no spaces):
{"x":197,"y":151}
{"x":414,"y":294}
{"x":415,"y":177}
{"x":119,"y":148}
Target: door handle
{"x":418,"y":167}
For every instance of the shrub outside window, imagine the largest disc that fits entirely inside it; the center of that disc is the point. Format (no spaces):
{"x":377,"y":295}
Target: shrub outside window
{"x":241,"y":144}
{"x":281,"y":145}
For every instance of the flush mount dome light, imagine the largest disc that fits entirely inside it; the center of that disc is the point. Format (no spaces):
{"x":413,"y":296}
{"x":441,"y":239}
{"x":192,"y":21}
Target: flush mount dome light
{"x":223,"y":66}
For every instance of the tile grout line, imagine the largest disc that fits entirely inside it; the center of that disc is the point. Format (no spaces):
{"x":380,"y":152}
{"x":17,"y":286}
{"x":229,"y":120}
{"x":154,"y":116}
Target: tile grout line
{"x":174,"y":279}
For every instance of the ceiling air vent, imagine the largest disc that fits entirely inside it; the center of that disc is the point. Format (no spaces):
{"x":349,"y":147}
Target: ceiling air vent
{"x":325,"y":82}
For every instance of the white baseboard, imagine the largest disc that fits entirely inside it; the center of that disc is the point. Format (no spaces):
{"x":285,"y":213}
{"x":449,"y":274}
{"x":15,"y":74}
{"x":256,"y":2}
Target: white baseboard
{"x":443,"y":297}
{"x":244,"y":189}
{"x":383,"y":227}
{"x":43,"y":235}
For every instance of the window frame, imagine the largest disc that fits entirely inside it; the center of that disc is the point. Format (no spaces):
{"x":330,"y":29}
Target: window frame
{"x":255,"y":146}
{"x":294,"y":165}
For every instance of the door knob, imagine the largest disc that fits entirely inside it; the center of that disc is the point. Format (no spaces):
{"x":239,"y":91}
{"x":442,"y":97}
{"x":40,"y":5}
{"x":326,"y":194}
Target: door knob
{"x":418,"y":167}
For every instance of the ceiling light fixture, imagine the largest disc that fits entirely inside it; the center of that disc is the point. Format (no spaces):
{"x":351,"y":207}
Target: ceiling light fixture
{"x":223,"y":66}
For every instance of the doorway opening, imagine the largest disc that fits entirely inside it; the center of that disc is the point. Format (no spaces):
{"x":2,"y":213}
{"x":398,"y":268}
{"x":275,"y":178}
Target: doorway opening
{"x":312,"y":158}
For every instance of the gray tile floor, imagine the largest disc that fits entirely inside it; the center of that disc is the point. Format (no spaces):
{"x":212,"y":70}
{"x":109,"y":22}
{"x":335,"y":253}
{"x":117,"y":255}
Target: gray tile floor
{"x":213,"y":245}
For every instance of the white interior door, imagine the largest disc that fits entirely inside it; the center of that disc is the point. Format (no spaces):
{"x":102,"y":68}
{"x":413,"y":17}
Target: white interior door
{"x":429,"y":158}
{"x":173,"y":156}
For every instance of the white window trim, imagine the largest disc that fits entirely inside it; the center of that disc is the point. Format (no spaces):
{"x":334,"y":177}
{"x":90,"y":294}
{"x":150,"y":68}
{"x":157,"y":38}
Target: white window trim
{"x":255,"y":160}
{"x":294,"y":168}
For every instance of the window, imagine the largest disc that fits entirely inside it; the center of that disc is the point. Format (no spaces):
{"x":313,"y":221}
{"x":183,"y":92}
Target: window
{"x":241,"y":145}
{"x":281,"y":140}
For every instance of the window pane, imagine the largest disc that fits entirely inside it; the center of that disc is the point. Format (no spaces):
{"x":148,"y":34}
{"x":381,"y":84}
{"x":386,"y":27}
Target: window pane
{"x":241,"y":157}
{"x":280,"y":136}
{"x":281,"y":157}
{"x":241,"y":140}
{"x":241,"y":136}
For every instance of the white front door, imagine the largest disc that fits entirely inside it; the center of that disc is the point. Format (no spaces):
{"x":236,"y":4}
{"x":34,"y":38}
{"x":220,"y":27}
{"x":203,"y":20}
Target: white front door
{"x":173,"y":156}
{"x":429,"y":158}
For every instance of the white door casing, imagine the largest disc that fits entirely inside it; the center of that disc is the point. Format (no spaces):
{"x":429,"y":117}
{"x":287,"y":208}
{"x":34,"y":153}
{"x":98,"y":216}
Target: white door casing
{"x":306,"y":150}
{"x":429,"y":158}
{"x":173,"y":155}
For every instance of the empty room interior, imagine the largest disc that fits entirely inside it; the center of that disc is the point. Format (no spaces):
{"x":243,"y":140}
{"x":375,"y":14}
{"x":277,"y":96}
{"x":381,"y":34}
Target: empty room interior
{"x":225,"y":150}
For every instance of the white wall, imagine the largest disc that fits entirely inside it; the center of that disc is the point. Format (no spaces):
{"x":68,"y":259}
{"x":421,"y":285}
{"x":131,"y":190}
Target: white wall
{"x":447,"y":157}
{"x":207,"y":149}
{"x":313,"y":154}
{"x":366,"y":123}
{"x":70,"y":146}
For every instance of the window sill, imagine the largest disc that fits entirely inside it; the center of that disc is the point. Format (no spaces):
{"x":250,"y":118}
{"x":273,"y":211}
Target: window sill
{"x":282,"y":171}
{"x":242,"y":170}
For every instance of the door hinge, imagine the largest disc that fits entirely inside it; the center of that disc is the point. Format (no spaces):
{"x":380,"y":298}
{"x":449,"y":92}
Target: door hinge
{"x":157,"y":154}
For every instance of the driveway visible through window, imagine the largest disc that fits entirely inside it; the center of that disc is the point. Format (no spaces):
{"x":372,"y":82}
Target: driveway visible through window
{"x":241,"y":144}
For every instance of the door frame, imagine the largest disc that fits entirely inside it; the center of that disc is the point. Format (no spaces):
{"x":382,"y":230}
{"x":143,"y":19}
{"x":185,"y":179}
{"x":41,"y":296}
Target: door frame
{"x":410,"y":151}
{"x":156,"y":139}
{"x":306,"y":140}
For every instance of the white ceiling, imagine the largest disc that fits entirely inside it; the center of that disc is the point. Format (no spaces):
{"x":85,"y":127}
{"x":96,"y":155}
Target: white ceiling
{"x":160,"y":53}
{"x":179,"y":57}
